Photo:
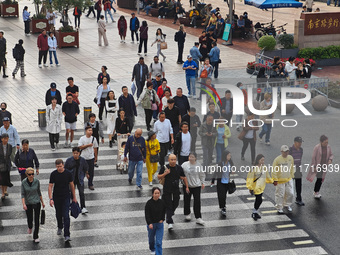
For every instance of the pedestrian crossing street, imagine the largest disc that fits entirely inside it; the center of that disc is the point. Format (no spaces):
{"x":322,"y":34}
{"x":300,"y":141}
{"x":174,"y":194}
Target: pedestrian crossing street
{"x":115,"y":223}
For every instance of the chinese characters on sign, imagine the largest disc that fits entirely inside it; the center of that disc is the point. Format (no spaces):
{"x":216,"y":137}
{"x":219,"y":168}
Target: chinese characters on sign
{"x":321,"y":23}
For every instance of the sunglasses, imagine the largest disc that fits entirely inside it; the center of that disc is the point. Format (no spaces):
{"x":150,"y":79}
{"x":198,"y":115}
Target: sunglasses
{"x":30,"y":174}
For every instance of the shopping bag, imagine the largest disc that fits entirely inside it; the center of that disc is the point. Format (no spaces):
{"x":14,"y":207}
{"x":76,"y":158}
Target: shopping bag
{"x":133,"y":88}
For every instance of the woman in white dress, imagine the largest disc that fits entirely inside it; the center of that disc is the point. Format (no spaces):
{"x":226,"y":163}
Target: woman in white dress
{"x":112,"y":106}
{"x":54,"y":117}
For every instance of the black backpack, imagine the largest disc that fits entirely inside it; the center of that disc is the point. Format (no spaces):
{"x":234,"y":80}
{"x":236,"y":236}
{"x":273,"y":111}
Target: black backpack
{"x":15,"y":53}
{"x":176,"y":37}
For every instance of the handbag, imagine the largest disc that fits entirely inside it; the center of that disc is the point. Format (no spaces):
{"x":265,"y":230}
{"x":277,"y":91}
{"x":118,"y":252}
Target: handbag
{"x":75,"y":209}
{"x":43,"y":216}
{"x":154,"y":106}
{"x":164,"y":45}
{"x":153,"y":158}
{"x":219,"y":61}
{"x":95,"y":100}
{"x":231,"y":187}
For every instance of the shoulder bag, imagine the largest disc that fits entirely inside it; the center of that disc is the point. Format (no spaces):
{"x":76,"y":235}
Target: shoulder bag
{"x":231,"y":187}
{"x":164,"y":45}
{"x":153,"y":158}
{"x":162,"y":181}
{"x":138,"y":147}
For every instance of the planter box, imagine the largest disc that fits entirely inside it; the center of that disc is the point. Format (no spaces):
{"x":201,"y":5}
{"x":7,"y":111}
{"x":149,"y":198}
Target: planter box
{"x":38,"y":25}
{"x":67,"y":39}
{"x":328,"y":62}
{"x":8,"y":10}
{"x":129,"y":4}
{"x":251,"y":71}
{"x":282,"y":53}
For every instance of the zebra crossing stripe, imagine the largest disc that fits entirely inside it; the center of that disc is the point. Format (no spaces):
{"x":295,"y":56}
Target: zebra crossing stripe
{"x":318,"y":250}
{"x":303,"y":242}
{"x":286,"y":226}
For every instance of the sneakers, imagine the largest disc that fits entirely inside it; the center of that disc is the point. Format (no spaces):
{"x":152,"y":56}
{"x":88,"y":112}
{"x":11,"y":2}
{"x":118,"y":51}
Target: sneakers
{"x":254,"y":216}
{"x":66,"y":145}
{"x":67,"y":239}
{"x":280,"y":211}
{"x":317,"y":195}
{"x":91,"y":187}
{"x":130,"y":181}
{"x":261,"y":140}
{"x":188,"y":217}
{"x":200,"y":221}
{"x":289,"y":209}
{"x":140,"y":187}
{"x":159,"y":17}
{"x":40,"y":66}
{"x":150,"y":184}
{"x":53,"y":149}
{"x":170,"y":226}
{"x":242,"y":158}
{"x":29,"y":231}
{"x":13,"y":75}
{"x":51,"y":65}
{"x":163,"y":17}
{"x":223,"y":212}
{"x":300,"y":203}
{"x":267,"y":143}
{"x":96,"y":165}
{"x":152,"y":252}
{"x":37,"y":240}
{"x":164,"y":59}
{"x":58,"y":64}
{"x":145,"y":54}
{"x":45,"y":65}
{"x":84,"y":210}
{"x":133,"y":42}
{"x":59,"y":231}
{"x":188,"y":96}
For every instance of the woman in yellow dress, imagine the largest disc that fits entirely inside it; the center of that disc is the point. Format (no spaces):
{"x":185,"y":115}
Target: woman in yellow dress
{"x":152,"y":148}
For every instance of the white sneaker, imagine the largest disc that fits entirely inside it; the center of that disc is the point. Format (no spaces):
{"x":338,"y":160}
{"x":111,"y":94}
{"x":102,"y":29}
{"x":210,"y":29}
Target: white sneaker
{"x":317,"y":195}
{"x":51,"y":65}
{"x":164,"y":59}
{"x":66,"y":145}
{"x":132,"y":42}
{"x":163,"y":17}
{"x":37,"y":240}
{"x":188,"y":217}
{"x":150,"y":184}
{"x":170,"y":226}
{"x":121,"y":41}
{"x":289,"y":209}
{"x":261,"y":140}
{"x":267,"y":143}
{"x":188,"y":96}
{"x":53,"y":149}
{"x":58,"y":64}
{"x":152,"y":252}
{"x":280,"y":211}
{"x":159,"y":16}
{"x":200,"y":221}
{"x":84,"y":210}
{"x":40,"y":66}
{"x":45,"y":65}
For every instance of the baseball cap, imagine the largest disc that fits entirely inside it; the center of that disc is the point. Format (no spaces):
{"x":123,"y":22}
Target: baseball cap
{"x":158,"y":74}
{"x":53,"y":85}
{"x":298,"y":139}
{"x":189,"y":56}
{"x":5,"y":119}
{"x":284,"y":148}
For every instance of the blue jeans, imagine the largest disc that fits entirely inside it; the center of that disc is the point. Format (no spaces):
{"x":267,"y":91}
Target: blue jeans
{"x":110,"y":13}
{"x":157,"y":231}
{"x":219,"y":150}
{"x":139,"y":170}
{"x":90,"y":164}
{"x":62,"y":212}
{"x":54,"y":53}
{"x":191,"y":85}
{"x":266,"y":129}
{"x":155,"y":114}
{"x":147,"y":9}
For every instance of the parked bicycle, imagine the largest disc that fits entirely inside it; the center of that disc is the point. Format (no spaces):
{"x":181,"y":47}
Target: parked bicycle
{"x":262,"y":29}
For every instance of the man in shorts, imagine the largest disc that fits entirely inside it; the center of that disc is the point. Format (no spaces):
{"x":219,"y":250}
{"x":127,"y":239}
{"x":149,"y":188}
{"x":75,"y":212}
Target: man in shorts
{"x":70,"y":111}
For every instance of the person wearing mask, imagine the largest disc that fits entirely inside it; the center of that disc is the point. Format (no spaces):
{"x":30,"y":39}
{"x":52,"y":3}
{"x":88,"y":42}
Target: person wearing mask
{"x":152,"y":149}
{"x":182,"y":144}
{"x":214,"y":55}
{"x":194,"y":123}
{"x":97,"y":131}
{"x":27,"y":19}
{"x":127,"y":102}
{"x":180,"y":39}
{"x":14,"y":139}
{"x":160,"y":37}
{"x":70,"y":111}
{"x":227,"y":106}
{"x":172,"y":174}
{"x":77,"y":13}
{"x":5,"y":165}
{"x":102,"y":31}
{"x":283,"y":174}
{"x":205,"y":75}
{"x":52,"y":44}
{"x":156,"y":68}
{"x":163,"y":128}
{"x":72,"y":89}
{"x":196,"y":56}
{"x":61,"y":182}
{"x":190,"y":68}
{"x":195,"y":175}
{"x":103,"y":74}
{"x":19,"y":53}
{"x":182,"y":102}
{"x":221,"y":141}
{"x":32,"y":201}
{"x":134,"y":26}
{"x":266,"y":104}
{"x":208,"y":135}
{"x":107,"y":9}
{"x":42,"y":43}
{"x":140,"y":74}
{"x":78,"y":167}
{"x":155,"y":215}
{"x":54,"y":117}
{"x":135,"y":147}
{"x":102,"y":91}
{"x":143,"y":30}
{"x":52,"y":92}
{"x":122,"y":27}
{"x":112,"y":107}
{"x":322,"y":159}
{"x":4,"y":113}
{"x":256,"y":183}
{"x":248,"y":136}
{"x":25,"y":158}
{"x":149,"y":101}
{"x":296,"y":151}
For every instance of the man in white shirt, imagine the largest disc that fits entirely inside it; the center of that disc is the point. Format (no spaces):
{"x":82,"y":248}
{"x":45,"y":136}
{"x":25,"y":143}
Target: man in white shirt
{"x":163,"y":128}
{"x":183,"y":143}
{"x":156,"y":67}
{"x":89,"y":151}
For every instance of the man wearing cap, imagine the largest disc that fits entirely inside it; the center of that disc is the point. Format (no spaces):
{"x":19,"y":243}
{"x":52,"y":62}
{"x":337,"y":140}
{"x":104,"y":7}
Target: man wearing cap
{"x":52,"y":92}
{"x":296,"y":152}
{"x":190,"y":68}
{"x":4,"y":113}
{"x":140,"y":73}
{"x":13,"y":135}
{"x":282,"y":174}
{"x":156,"y":68}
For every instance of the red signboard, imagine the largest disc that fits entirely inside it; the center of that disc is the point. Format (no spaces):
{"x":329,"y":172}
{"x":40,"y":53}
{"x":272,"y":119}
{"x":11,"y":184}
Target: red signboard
{"x":321,"y":23}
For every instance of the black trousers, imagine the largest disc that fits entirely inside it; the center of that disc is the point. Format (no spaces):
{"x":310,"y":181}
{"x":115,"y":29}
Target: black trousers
{"x":182,"y":159}
{"x":180,"y":52}
{"x":140,"y":86}
{"x":29,"y":212}
{"x":54,"y":138}
{"x":77,"y":18}
{"x":222,"y":190}
{"x":148,"y":117}
{"x":171,"y":200}
{"x":298,"y":188}
{"x":196,"y":192}
{"x":145,"y":42}
{"x":81,"y":193}
{"x":252,"y":143}
{"x":131,"y":122}
{"x":101,"y":108}
{"x":133,"y":32}
{"x":258,"y":201}
{"x":163,"y":153}
{"x":215,"y":66}
{"x":193,"y":143}
{"x":42,"y":54}
{"x":318,"y":184}
{"x":98,"y":14}
{"x":27,"y":27}
{"x":91,"y":9}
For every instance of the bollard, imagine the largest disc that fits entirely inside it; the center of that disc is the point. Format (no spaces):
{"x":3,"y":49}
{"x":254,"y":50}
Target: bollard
{"x":87,"y":111}
{"x":42,"y":117}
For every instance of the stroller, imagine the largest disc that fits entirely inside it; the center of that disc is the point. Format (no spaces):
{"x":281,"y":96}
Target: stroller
{"x":121,"y":165}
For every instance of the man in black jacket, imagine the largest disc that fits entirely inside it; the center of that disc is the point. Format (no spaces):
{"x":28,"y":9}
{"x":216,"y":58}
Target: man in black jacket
{"x":18,"y":54}
{"x":140,"y":74}
{"x":134,"y":26}
{"x":227,"y":106}
{"x":180,"y":39}
{"x":52,"y":92}
{"x":3,"y":52}
{"x":182,"y":102}
{"x":127,"y":102}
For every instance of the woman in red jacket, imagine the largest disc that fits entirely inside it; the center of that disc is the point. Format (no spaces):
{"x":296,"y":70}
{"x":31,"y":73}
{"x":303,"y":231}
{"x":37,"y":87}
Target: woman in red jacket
{"x":122,"y":27}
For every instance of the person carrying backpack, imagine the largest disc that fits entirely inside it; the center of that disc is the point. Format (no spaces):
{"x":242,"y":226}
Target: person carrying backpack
{"x":18,"y":55}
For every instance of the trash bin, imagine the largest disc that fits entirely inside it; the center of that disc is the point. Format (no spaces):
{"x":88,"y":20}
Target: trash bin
{"x":42,"y":117}
{"x":87,"y":111}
